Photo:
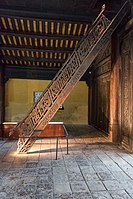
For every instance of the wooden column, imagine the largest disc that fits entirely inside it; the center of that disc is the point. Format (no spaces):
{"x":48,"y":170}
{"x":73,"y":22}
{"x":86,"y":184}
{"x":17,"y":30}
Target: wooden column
{"x":89,"y":85}
{"x":114,"y":85}
{"x":121,"y":86}
{"x":2,"y":94}
{"x":127,"y":90}
{"x":126,"y":84}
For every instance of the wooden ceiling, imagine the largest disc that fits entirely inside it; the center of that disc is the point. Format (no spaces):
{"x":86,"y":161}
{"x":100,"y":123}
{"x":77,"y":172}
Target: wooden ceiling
{"x":41,"y":34}
{"x":32,"y":42}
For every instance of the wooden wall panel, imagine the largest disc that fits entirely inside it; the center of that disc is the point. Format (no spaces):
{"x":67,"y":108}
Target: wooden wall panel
{"x":100,"y":95}
{"x":101,"y":103}
{"x":126,"y":84}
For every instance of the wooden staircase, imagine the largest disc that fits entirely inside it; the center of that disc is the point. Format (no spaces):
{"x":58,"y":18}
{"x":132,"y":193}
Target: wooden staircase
{"x":65,"y":80}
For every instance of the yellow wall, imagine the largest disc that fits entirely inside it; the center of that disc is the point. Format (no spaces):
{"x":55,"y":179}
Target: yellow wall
{"x":19,"y":100}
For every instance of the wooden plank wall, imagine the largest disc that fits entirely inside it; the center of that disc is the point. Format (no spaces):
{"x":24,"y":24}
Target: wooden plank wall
{"x":125,"y":118}
{"x":100,"y":91}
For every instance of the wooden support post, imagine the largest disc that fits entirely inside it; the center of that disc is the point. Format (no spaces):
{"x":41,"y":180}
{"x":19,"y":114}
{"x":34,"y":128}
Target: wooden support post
{"x":114,"y":85}
{"x":88,"y":83}
{"x":57,"y":140}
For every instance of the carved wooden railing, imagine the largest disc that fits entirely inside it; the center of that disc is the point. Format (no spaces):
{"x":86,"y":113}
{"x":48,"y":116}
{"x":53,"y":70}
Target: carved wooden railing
{"x":65,"y":80}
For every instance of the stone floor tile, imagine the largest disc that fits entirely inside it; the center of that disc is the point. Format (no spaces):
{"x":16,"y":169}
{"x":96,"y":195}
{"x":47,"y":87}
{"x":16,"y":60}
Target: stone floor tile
{"x":128,"y":186}
{"x":71,"y":164}
{"x":62,"y":188}
{"x":58,"y":163}
{"x":26,"y":189}
{"x":87,"y":169}
{"x":44,"y":187}
{"x":1,"y":179}
{"x":74,"y":174}
{"x":29,"y":172}
{"x":2,"y":195}
{"x":18,"y":164}
{"x":126,"y":157}
{"x":44,"y":171}
{"x":23,"y":197}
{"x":120,"y":194}
{"x":105,"y":176}
{"x":88,"y":166}
{"x":79,"y":186}
{"x":44,"y":179}
{"x":63,"y":196}
{"x":3,"y":173}
{"x":121,"y":176}
{"x":90,"y":176}
{"x":83,"y":163}
{"x":43,"y":195}
{"x":82,"y":195}
{"x":31,"y":164}
{"x":101,"y":195}
{"x":130,"y":192}
{"x":96,"y":185}
{"x":4,"y":165}
{"x":59,"y":177}
{"x":45,"y":163}
{"x":100,"y":168}
{"x":59,"y":170}
{"x":113,"y":185}
{"x":112,"y":166}
{"x":80,"y":157}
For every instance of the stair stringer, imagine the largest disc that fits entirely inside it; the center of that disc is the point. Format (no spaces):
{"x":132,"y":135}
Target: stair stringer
{"x":61,"y":87}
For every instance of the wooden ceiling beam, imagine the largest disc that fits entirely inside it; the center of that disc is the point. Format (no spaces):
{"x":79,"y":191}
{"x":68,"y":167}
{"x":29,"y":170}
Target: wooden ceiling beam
{"x":49,"y":20}
{"x":51,"y":60}
{"x":41,"y":36}
{"x":28,"y":72}
{"x":35,"y":49}
{"x":51,"y":16}
{"x":34,"y":72}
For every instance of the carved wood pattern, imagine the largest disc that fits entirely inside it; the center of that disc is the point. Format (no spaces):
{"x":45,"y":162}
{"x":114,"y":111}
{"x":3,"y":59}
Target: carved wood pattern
{"x":100,"y":97}
{"x":61,"y":86}
{"x":126,"y":96}
{"x":126,"y":88}
{"x":100,"y":113}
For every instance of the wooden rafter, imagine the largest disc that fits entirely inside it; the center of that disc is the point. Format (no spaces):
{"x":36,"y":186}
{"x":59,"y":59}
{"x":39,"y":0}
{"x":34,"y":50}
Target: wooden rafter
{"x":35,"y":49}
{"x":41,"y":36}
{"x":33,"y":59}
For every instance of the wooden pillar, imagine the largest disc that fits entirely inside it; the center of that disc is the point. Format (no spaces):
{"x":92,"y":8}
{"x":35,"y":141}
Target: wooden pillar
{"x":114,"y":85}
{"x":126,"y":84}
{"x":2,"y":95}
{"x":121,"y":86}
{"x":89,"y":85}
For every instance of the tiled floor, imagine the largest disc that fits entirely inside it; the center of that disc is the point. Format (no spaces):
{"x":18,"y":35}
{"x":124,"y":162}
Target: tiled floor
{"x":94,"y":169}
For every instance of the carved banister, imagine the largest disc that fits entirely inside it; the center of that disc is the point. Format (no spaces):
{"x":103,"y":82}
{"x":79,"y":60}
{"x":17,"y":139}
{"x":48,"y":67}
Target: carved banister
{"x":65,"y":80}
{"x":91,"y":31}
